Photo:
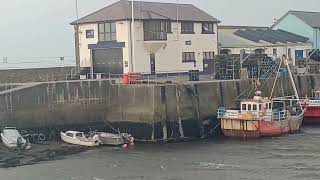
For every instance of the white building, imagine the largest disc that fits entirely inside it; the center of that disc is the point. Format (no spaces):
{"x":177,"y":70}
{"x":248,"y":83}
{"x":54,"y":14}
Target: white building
{"x":279,"y":43}
{"x":168,"y":37}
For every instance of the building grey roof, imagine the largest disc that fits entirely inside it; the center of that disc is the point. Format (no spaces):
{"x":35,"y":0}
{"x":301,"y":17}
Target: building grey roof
{"x":310,"y":18}
{"x":241,"y":27}
{"x":257,"y":36}
{"x":271,"y":36}
{"x":121,"y":10}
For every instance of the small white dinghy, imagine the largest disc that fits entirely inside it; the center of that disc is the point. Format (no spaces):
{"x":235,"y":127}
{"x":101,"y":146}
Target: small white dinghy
{"x":115,"y":139}
{"x":78,"y":138}
{"x":11,"y":138}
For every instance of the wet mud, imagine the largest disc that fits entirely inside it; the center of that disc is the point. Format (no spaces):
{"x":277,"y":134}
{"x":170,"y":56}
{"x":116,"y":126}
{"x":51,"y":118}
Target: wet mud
{"x":38,"y":153}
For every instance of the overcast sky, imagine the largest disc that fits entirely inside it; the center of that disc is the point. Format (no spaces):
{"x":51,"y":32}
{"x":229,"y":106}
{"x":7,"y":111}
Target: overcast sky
{"x":35,"y":28}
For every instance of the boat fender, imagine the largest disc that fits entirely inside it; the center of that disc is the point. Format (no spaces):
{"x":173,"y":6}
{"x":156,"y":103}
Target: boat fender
{"x":132,"y":139}
{"x":42,"y":137}
{"x":23,"y":133}
{"x":125,"y":145}
{"x":35,"y":137}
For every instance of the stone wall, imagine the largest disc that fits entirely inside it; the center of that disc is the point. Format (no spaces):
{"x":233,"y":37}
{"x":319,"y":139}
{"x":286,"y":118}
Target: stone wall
{"x":34,"y":75}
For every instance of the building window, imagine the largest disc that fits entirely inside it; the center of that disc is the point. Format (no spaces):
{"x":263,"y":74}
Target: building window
{"x":155,"y":30}
{"x":249,"y":107}
{"x":289,"y":53}
{"x":244,"y":107}
{"x":274,"y":51}
{"x":207,"y":28}
{"x":208,"y":55}
{"x":259,"y":51}
{"x":90,"y":33}
{"x":107,"y":31}
{"x":225,"y":51}
{"x":188,"y":57}
{"x":169,"y":29}
{"x":254,"y":107}
{"x":187,"y":28}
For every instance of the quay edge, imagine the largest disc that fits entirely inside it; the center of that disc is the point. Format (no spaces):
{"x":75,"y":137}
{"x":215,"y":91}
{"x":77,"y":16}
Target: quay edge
{"x":149,"y":112}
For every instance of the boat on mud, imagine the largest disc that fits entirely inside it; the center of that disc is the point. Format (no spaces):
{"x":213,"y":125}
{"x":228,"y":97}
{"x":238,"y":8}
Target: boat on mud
{"x":111,"y":139}
{"x":261,"y":117}
{"x":311,"y":107}
{"x":79,"y":138}
{"x":12,"y":139}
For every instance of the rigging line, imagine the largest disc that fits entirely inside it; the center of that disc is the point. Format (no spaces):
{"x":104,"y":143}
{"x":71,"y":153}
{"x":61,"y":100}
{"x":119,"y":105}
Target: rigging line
{"x":275,"y":81}
{"x":270,"y":75}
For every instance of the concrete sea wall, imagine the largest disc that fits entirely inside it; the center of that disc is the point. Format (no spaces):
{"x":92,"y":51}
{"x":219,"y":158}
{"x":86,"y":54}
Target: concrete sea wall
{"x":34,"y":75}
{"x":148,"y":111}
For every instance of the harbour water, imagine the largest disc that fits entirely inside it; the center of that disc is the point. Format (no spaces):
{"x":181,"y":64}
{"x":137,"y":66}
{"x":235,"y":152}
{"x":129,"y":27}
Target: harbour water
{"x":293,"y":156}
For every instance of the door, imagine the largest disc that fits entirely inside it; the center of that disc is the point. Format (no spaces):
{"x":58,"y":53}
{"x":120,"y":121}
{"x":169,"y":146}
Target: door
{"x":208,"y":66}
{"x":108,"y":61}
{"x":153,"y":63}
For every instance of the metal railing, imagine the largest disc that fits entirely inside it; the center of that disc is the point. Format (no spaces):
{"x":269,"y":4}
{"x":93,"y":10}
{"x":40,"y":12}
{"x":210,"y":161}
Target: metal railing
{"x":279,"y":115}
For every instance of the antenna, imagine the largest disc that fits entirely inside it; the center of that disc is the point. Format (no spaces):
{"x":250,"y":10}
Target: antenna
{"x":177,"y":19}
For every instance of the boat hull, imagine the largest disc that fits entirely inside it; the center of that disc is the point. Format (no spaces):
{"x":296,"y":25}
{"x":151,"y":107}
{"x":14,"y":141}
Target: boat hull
{"x":296,"y":122}
{"x":312,"y":115}
{"x":110,"y":139}
{"x":76,"y":141}
{"x":7,"y":143}
{"x":238,"y":128}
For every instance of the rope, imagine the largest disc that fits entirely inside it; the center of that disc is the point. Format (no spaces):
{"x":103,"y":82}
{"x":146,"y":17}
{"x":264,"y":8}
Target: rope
{"x":115,"y":130}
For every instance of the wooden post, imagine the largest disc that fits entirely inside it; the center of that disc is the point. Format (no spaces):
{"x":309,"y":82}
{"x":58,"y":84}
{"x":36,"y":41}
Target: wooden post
{"x":179,"y":115}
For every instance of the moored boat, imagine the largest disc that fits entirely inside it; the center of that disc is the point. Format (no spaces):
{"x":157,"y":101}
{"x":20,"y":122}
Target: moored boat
{"x":78,"y":138}
{"x":260,"y":117}
{"x":114,"y":139}
{"x":311,"y":107}
{"x":11,"y":138}
{"x":257,"y":117}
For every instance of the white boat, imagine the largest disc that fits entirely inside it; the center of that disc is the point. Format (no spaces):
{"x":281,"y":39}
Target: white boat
{"x":114,"y":139}
{"x":11,"y":138}
{"x":78,"y":138}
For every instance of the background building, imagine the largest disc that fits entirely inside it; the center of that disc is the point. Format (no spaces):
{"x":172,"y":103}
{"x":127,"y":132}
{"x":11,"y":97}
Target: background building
{"x":303,"y":23}
{"x":168,"y":37}
{"x":257,"y":40}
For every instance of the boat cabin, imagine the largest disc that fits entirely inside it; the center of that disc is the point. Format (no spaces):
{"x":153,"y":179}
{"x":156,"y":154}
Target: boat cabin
{"x":75,"y":134}
{"x":316,"y":94}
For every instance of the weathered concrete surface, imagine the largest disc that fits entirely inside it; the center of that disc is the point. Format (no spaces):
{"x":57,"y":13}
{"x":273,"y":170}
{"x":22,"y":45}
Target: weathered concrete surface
{"x":147,"y":111}
{"x":34,"y":75}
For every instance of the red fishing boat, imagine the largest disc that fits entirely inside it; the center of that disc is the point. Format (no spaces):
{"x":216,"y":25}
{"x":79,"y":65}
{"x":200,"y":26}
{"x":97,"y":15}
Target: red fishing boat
{"x":312,"y":108}
{"x":261,"y":117}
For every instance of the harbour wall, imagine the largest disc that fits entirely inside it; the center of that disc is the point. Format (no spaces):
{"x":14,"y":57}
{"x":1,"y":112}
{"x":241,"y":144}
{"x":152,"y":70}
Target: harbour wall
{"x":149,"y":112}
{"x":34,"y":74}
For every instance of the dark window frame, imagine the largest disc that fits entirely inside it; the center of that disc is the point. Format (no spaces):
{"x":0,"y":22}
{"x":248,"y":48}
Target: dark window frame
{"x":88,"y":32}
{"x":254,"y":107}
{"x":169,"y":27}
{"x":244,"y":107}
{"x":274,"y":51}
{"x":108,"y":33}
{"x":155,"y":30}
{"x":208,"y":55}
{"x":187,"y":27}
{"x":188,"y":57}
{"x":210,"y":28}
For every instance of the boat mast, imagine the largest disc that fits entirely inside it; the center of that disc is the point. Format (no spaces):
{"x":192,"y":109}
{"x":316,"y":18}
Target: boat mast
{"x":292,"y":80}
